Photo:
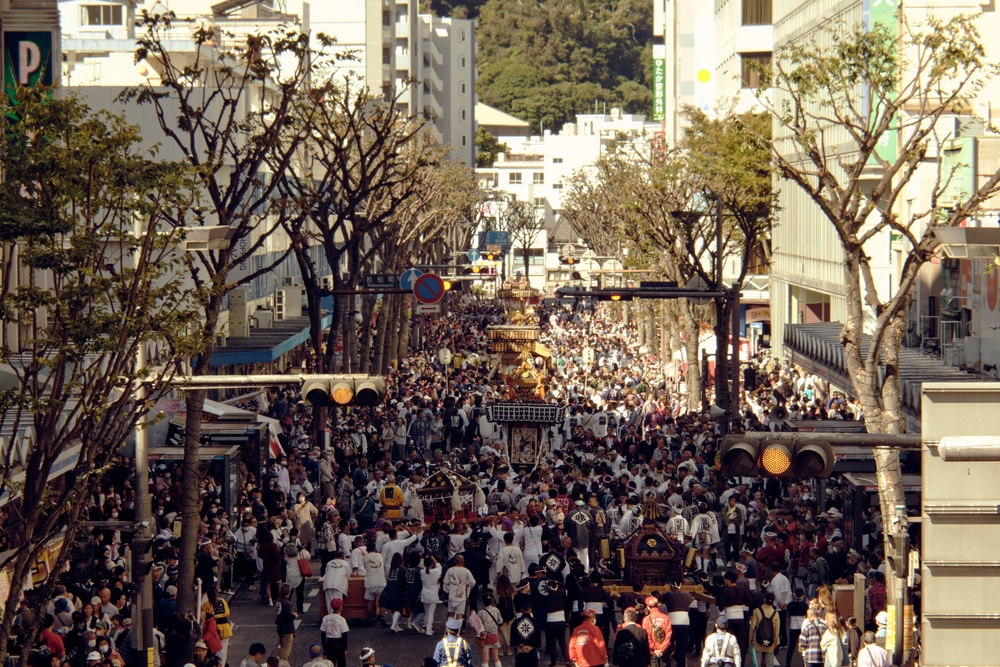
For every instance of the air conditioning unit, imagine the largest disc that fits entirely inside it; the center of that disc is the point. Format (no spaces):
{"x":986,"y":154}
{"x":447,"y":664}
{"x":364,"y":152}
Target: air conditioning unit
{"x":326,"y":282}
{"x":265,"y":318}
{"x":279,"y":305}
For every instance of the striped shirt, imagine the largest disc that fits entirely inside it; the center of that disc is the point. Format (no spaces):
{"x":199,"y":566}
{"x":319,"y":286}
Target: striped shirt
{"x":809,"y":640}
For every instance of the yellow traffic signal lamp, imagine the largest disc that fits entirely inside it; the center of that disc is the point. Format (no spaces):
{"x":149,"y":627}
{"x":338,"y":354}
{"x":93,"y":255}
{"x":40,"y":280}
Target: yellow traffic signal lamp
{"x":476,"y":269}
{"x":363,"y":390}
{"x":493,"y":256}
{"x":447,"y":285}
{"x":747,"y":457}
{"x":618,"y":296}
{"x":566,"y":259}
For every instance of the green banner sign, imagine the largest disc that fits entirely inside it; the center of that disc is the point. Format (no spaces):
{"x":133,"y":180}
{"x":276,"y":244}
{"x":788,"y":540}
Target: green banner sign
{"x":885,"y":14}
{"x":27,"y":60}
{"x":659,"y":89}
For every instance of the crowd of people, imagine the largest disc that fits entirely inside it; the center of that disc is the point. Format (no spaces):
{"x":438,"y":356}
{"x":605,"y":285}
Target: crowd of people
{"x":526,"y":565}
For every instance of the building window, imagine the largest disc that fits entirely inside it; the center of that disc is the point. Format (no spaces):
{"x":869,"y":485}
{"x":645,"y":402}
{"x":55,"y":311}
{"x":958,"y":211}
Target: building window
{"x":539,"y":202}
{"x":386,"y":56}
{"x":557,"y":186}
{"x":461,"y":62}
{"x":538,"y":178}
{"x":751,"y":64}
{"x":462,"y":114}
{"x":462,"y":88}
{"x":515,"y":178}
{"x":464,"y":141}
{"x":557,"y":160}
{"x":101,"y":15}
{"x":464,"y":36}
{"x":757,"y":12}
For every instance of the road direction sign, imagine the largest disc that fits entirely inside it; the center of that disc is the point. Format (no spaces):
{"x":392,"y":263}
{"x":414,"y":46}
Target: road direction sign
{"x":473,"y":255}
{"x":381,"y":281}
{"x":428,"y":288}
{"x":501,"y":239}
{"x":409,"y":276}
{"x":428,"y":309}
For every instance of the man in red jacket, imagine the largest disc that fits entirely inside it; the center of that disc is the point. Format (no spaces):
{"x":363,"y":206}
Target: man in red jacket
{"x":586,"y":645}
{"x":658,"y":629}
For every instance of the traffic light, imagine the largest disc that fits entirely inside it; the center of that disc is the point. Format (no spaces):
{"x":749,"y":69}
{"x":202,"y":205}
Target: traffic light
{"x":473,"y":270}
{"x":363,"y":390}
{"x":566,"y":259}
{"x":612,"y":295}
{"x":793,"y":460}
{"x":898,"y":556}
{"x":493,"y":256}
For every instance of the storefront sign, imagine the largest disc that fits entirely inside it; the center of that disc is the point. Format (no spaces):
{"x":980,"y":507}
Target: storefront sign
{"x":758,"y":314}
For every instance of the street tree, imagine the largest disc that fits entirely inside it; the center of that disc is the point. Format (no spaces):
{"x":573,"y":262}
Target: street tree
{"x":359,"y":165}
{"x":90,"y":273}
{"x":229,"y":109}
{"x":836,"y":100}
{"x":503,"y":212}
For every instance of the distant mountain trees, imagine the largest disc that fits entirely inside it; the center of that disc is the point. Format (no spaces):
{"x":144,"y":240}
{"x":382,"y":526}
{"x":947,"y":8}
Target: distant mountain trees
{"x":547,"y":60}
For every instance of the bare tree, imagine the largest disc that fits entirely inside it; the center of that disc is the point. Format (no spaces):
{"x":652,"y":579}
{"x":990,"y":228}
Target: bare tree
{"x":202,"y":101}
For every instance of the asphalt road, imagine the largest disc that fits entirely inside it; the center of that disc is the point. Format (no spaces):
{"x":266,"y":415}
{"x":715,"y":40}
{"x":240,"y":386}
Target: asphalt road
{"x":254,"y":622}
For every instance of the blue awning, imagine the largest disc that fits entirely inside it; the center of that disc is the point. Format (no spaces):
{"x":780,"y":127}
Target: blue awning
{"x":265,"y":345}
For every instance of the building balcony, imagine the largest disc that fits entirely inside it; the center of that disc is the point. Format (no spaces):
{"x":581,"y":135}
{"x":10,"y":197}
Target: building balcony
{"x":402,"y":29}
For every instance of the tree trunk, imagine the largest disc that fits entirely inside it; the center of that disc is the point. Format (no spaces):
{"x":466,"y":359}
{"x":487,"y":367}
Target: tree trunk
{"x":694,"y":378}
{"x":378,"y":366}
{"x":190,"y":502}
{"x":392,"y":336}
{"x":404,"y":334}
{"x":367,"y":305}
{"x":191,"y":468}
{"x":722,"y":397}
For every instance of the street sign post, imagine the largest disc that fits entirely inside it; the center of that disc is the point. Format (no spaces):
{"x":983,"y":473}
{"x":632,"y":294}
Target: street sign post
{"x":501,"y":239}
{"x":409,"y":276}
{"x":428,"y":288}
{"x":473,"y":255}
{"x":428,"y":309}
{"x":379,"y":280}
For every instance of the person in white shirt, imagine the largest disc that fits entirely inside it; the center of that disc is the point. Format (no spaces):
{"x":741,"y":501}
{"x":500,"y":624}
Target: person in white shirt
{"x":316,"y":658}
{"x":430,"y":579}
{"x":871,"y":654}
{"x":457,"y":583}
{"x":396,"y":543}
{"x":511,"y":560}
{"x":333,"y":630}
{"x":358,"y":557}
{"x":335,"y":578}
{"x":374,"y":580}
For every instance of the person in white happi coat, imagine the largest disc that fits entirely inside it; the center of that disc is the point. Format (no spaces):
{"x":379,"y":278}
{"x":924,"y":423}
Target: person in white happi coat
{"x":510,"y":559}
{"x":335,"y":578}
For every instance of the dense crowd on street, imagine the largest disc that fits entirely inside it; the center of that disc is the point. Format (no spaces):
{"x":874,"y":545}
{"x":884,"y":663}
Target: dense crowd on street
{"x":523,"y":574}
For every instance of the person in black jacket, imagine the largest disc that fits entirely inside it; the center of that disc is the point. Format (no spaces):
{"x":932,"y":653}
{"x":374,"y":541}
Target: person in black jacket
{"x":631,"y":643}
{"x":525,"y":637}
{"x":555,"y":619}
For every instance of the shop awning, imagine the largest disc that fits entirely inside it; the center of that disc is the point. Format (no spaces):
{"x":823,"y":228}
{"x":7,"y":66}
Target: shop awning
{"x":818,"y":350}
{"x":265,"y":345}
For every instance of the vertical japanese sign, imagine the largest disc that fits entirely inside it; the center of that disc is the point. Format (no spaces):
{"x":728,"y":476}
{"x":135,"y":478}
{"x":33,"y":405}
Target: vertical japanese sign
{"x":659,"y":90}
{"x":27,"y":60}
{"x":884,"y":14}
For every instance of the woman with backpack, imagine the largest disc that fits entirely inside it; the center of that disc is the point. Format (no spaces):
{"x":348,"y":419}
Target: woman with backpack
{"x":765,"y":627}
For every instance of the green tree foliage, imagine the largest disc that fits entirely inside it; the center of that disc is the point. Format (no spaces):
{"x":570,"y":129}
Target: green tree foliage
{"x":88,"y":223}
{"x":488,"y":148}
{"x":547,"y":60}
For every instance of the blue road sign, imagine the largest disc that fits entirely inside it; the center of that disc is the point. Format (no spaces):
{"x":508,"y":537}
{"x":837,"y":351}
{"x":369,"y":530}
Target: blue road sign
{"x":428,"y":288}
{"x":409,"y":277}
{"x":501,"y":239}
{"x":473,"y":255}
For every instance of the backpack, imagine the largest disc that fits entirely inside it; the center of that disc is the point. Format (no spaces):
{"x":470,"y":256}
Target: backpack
{"x":625,"y":651}
{"x":764,"y":636}
{"x":506,"y":607}
{"x":659,"y":634}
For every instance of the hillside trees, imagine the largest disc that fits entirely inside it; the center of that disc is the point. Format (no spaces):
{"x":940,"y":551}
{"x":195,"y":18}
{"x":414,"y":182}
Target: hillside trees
{"x":547,"y":61}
